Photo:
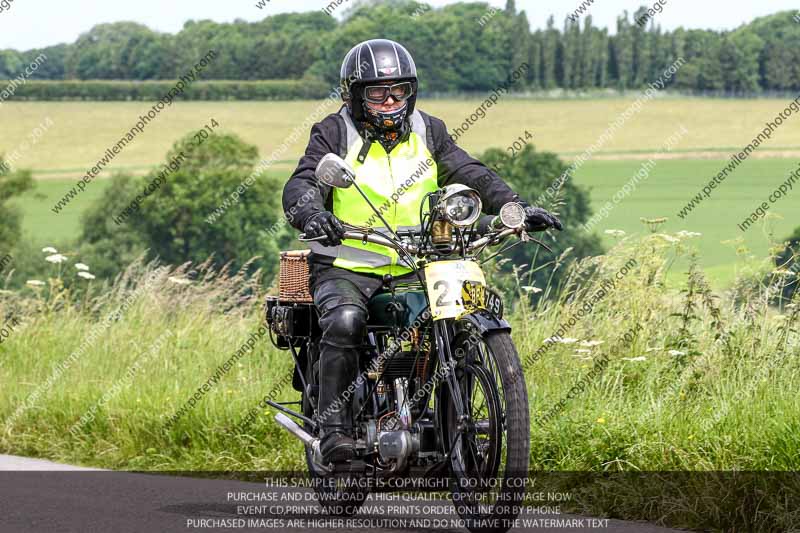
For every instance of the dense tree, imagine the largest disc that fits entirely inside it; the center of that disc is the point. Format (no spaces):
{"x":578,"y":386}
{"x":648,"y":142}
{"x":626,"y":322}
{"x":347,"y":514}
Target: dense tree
{"x":459,"y":47}
{"x":122,"y":50}
{"x":622,"y":66}
{"x":550,"y":39}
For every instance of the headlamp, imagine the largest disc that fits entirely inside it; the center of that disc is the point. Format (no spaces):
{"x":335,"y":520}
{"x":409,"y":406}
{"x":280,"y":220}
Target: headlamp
{"x":460,"y":205}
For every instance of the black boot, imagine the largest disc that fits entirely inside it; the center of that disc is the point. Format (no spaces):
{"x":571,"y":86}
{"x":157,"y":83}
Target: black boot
{"x":343,"y":317}
{"x":337,"y":447}
{"x":336,"y":374}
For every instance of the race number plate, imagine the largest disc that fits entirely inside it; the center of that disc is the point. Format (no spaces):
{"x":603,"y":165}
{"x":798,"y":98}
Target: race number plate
{"x":445,"y":281}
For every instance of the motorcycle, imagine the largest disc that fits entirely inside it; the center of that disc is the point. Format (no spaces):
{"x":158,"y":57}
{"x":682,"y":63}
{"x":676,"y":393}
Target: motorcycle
{"x":441,"y":392}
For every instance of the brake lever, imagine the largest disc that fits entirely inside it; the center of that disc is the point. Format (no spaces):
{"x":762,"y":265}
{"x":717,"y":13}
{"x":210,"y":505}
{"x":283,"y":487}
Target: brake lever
{"x":302,"y":238}
{"x":526,"y":237}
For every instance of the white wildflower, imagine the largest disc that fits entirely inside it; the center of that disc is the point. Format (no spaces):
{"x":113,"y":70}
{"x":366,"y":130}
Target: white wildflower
{"x":534,"y":290}
{"x":85,"y":275}
{"x":56,"y":258}
{"x":591,"y":344}
{"x":668,"y":238}
{"x":640,"y":358}
{"x":683,"y":234}
{"x":81,"y":266}
{"x":676,"y":353}
{"x":35,"y":283}
{"x":49,"y":250}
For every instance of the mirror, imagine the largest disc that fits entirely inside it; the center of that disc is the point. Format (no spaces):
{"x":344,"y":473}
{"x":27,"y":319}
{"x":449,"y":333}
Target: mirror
{"x":512,"y":215}
{"x":334,"y":171}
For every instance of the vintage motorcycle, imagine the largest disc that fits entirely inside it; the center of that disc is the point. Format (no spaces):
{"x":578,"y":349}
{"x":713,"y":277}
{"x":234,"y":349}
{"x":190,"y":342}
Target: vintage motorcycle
{"x":441,"y":392}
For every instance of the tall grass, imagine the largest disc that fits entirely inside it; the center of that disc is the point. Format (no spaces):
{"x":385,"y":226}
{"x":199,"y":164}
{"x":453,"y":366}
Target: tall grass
{"x":700,"y":382}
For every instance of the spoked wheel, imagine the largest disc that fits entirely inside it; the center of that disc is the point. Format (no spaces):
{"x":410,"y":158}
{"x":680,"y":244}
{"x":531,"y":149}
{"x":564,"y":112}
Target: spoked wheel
{"x":339,"y":493}
{"x":490,"y":445}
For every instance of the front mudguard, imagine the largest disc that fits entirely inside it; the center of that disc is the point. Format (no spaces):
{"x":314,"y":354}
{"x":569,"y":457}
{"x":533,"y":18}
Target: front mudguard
{"x":485,"y":321}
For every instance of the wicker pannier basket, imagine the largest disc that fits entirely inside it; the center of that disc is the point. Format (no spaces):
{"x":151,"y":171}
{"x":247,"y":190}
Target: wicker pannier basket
{"x":293,"y":277}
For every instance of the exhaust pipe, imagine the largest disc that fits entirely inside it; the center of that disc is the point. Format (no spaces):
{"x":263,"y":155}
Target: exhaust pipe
{"x":290,"y":425}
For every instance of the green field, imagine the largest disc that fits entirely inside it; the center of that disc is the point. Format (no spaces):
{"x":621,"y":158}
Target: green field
{"x":81,"y":132}
{"x":670,"y":185}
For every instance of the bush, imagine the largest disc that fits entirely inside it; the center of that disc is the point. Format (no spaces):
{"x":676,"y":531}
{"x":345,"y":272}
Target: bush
{"x":154,"y":90}
{"x":11,"y":184}
{"x":789,"y":259}
{"x":529,"y":173}
{"x":107,"y":247}
{"x":171,"y":222}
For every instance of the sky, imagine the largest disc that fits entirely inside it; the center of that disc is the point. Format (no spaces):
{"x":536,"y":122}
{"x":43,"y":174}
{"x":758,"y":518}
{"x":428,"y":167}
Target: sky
{"x":27,"y":24}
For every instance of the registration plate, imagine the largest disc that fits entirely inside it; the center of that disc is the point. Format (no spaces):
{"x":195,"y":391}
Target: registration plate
{"x":477,"y":296}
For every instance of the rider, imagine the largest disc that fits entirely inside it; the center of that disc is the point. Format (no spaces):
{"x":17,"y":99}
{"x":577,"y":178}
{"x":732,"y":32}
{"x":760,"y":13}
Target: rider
{"x":399,"y":154}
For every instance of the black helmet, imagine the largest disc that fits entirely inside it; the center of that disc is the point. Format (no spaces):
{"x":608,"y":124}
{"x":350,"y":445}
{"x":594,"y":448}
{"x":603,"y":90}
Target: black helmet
{"x":377,"y":60}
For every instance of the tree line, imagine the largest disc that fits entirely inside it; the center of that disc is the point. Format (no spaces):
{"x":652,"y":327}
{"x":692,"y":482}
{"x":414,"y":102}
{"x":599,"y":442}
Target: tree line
{"x":461,"y":47}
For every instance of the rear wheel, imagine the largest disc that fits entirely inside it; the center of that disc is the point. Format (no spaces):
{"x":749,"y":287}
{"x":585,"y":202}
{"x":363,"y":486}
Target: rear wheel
{"x":489,"y":448}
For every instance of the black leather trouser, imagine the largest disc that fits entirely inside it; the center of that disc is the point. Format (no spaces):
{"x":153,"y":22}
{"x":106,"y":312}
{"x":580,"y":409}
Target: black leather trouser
{"x":343,"y":316}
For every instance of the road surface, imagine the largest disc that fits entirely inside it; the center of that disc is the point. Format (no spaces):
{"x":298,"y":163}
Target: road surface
{"x":41,"y":496}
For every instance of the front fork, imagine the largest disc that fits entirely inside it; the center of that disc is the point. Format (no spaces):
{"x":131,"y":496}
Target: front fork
{"x":446,"y":360}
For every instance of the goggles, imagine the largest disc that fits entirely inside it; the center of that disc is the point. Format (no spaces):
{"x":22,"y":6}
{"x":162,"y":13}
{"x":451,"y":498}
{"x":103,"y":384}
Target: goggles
{"x":378,"y":94}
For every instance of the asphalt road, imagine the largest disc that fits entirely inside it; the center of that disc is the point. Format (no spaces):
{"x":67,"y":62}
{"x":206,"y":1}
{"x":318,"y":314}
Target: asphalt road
{"x":41,"y":496}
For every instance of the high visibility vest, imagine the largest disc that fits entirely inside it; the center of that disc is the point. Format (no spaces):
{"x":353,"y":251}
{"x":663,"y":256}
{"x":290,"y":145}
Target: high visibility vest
{"x":395,"y":183}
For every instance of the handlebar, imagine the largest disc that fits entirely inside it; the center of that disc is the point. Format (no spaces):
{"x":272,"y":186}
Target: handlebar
{"x":413,"y":249}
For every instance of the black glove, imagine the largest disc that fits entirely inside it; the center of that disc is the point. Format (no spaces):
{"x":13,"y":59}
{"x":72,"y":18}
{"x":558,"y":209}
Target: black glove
{"x":324,"y":223}
{"x":538,"y":219}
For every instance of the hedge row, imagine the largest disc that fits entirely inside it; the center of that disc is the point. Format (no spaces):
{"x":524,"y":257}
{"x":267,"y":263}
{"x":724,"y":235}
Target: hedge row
{"x":154,"y":90}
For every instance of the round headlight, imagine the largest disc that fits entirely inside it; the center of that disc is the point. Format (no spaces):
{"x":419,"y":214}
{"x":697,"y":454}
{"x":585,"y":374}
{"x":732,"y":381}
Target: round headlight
{"x":462,"y":208}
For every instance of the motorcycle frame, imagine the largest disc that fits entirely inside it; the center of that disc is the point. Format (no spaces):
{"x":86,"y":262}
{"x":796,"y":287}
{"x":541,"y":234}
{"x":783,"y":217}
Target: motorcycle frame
{"x":484,"y":320}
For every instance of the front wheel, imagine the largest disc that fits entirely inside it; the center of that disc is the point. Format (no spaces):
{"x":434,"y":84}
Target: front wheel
{"x":489,"y":447}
